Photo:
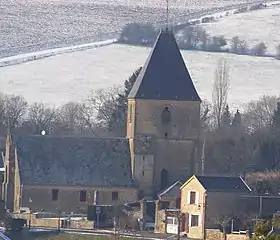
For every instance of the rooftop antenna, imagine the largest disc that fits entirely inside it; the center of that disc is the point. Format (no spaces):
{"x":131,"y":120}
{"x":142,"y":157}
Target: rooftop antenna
{"x":167,"y":14}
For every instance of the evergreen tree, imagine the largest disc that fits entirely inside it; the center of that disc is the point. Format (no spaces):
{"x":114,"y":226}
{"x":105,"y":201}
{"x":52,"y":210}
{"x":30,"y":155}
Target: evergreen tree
{"x":236,"y":121}
{"x":117,"y":121}
{"x":226,"y":118}
{"x":276,"y":116}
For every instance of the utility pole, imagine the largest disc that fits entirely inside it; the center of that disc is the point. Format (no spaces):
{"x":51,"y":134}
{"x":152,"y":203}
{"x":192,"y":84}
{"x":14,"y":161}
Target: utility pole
{"x":58,"y":221}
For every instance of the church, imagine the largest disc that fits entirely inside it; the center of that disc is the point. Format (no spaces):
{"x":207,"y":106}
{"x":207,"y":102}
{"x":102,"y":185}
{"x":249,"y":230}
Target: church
{"x":162,"y":146}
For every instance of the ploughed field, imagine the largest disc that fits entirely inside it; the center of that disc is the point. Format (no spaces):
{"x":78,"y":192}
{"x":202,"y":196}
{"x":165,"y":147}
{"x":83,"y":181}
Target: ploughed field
{"x":33,"y":25}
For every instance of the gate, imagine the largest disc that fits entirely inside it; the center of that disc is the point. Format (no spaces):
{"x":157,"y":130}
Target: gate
{"x":172,"y":225}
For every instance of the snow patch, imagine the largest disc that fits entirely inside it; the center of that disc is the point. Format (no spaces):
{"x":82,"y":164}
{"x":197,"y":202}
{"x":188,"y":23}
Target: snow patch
{"x":39,"y":230}
{"x":51,"y":52}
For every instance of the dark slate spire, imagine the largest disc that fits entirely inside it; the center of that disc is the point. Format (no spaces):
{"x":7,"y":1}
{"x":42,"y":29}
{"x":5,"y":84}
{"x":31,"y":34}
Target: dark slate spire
{"x":165,"y":75}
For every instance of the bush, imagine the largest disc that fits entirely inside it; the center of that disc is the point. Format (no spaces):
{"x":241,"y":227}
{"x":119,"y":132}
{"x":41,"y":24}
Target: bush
{"x":135,"y":33}
{"x":259,"y":49}
{"x":262,"y":229}
{"x":207,"y":19}
{"x":241,"y":10}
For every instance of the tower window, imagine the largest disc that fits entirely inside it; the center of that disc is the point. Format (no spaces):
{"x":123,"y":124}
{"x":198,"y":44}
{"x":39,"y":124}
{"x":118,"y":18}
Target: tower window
{"x":115,"y":196}
{"x":166,"y":116}
{"x":55,"y":194}
{"x":165,"y":135}
{"x":83,"y":196}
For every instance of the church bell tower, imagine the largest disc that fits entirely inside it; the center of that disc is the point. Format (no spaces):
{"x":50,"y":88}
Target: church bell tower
{"x":163,"y":122}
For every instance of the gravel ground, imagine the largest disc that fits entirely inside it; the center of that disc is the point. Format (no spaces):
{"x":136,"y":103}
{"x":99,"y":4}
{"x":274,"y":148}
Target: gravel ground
{"x":33,"y":25}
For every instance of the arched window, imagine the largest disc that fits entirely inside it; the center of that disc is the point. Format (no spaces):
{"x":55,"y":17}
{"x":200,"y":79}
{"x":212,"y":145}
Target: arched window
{"x":166,"y":116}
{"x":164,"y":178}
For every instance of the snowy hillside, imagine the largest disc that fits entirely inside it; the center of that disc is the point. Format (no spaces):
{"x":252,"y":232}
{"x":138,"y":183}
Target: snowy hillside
{"x":71,"y":76}
{"x":254,"y":27}
{"x":34,"y":25}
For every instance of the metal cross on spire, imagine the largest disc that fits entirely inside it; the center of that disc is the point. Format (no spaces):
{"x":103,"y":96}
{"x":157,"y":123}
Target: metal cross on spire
{"x":167,"y":14}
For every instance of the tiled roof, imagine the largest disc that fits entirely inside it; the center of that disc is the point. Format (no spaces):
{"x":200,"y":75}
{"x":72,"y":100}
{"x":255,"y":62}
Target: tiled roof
{"x":224,"y":184}
{"x":165,"y":75}
{"x":74,"y":160}
{"x":172,"y":191}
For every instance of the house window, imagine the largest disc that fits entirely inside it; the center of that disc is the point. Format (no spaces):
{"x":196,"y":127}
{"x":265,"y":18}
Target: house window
{"x":55,"y":194}
{"x":83,"y":196}
{"x":194,"y":220}
{"x":115,"y":196}
{"x":193,"y":197}
{"x":172,"y":221}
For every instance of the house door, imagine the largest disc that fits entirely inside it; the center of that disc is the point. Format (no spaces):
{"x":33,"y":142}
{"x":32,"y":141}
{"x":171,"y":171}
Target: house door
{"x":172,"y":225}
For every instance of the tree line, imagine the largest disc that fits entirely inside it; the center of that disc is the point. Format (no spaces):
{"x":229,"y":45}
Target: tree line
{"x":193,"y":37}
{"x":241,"y":142}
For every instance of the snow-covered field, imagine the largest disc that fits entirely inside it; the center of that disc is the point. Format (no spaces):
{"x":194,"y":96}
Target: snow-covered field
{"x":71,"y":76}
{"x":254,"y":27}
{"x":26,"y":57}
{"x":33,"y":25}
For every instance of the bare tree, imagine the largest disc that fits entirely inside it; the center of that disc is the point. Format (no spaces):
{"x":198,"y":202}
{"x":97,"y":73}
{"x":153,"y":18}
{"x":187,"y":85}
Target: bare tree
{"x":206,"y":115}
{"x":220,"y":90}
{"x":243,"y":47}
{"x":69,"y":120}
{"x":99,"y":108}
{"x":2,"y":107}
{"x":259,"y":113}
{"x":42,"y":117}
{"x":87,"y":115}
{"x":238,"y":45}
{"x":14,"y":110}
{"x":234,"y":43}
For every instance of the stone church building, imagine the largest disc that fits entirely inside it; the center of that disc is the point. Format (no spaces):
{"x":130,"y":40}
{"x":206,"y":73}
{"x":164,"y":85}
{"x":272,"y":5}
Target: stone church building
{"x":161,"y":147}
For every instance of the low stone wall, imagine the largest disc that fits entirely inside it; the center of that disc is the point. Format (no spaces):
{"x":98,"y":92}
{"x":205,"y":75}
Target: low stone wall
{"x":216,"y":234}
{"x":161,"y":225}
{"x":54,"y":222}
{"x":238,"y":237}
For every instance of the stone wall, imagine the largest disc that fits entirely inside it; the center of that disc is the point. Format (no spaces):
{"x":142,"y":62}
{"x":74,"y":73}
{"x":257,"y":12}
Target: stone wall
{"x":215,"y":234}
{"x":161,"y":226}
{"x":177,"y":138}
{"x":54,"y":222}
{"x":237,"y":237}
{"x":69,"y":198}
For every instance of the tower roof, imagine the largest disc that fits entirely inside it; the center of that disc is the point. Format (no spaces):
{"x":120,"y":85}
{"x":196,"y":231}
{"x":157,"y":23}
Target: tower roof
{"x":165,"y":75}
